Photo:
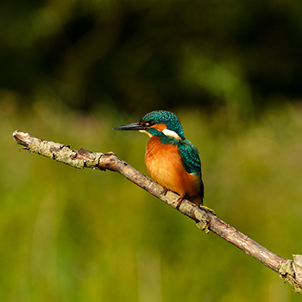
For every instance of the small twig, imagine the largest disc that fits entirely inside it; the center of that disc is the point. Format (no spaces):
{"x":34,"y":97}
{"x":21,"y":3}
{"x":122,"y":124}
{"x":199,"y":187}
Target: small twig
{"x":289,"y":270}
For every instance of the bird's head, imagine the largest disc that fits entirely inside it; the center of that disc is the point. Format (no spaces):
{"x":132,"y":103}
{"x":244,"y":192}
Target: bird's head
{"x":157,"y":123}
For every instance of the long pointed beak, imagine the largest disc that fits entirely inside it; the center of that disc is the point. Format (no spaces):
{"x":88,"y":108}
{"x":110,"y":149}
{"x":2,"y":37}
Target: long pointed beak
{"x":133,"y":126}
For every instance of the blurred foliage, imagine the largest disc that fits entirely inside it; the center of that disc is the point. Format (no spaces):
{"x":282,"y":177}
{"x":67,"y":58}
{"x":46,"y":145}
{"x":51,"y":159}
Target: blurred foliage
{"x":72,"y":70}
{"x":84,"y":235}
{"x":142,"y":55}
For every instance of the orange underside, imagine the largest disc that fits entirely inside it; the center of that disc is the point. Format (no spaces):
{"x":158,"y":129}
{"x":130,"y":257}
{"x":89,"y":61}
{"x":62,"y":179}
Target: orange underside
{"x":164,"y":164}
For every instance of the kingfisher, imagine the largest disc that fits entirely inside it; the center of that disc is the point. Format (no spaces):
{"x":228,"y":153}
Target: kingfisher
{"x":171,"y":160}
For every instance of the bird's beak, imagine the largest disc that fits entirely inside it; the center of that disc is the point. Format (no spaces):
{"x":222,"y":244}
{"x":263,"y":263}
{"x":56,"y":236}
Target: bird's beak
{"x":133,"y":126}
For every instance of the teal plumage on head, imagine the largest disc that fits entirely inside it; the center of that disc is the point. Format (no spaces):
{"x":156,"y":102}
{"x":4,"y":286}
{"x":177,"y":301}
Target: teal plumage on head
{"x":164,"y":117}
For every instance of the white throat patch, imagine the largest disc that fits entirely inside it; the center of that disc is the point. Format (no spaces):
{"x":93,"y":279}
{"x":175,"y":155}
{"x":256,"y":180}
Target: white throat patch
{"x":144,"y":131}
{"x":166,"y":132}
{"x":171,"y":133}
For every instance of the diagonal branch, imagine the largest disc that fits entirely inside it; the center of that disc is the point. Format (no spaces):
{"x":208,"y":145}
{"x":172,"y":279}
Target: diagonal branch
{"x":289,"y":270}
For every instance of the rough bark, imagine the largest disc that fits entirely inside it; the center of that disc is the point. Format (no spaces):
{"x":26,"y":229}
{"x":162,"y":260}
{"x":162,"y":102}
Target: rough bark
{"x":289,"y":270}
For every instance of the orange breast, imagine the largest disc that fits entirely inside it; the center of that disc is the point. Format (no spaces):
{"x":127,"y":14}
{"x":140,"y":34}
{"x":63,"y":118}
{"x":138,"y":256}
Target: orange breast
{"x":164,"y":164}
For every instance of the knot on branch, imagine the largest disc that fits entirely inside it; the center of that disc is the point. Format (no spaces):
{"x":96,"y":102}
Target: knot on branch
{"x":22,"y":138}
{"x":297,"y":268}
{"x":291,"y":271}
{"x":203,"y":226}
{"x":205,"y":218}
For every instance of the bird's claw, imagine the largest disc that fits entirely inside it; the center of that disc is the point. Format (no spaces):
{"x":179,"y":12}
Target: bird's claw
{"x":208,"y":210}
{"x":179,"y":201}
{"x":164,"y":191}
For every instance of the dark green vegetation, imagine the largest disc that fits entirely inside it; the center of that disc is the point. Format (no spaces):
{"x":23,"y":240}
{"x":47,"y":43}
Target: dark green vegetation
{"x":245,"y":55}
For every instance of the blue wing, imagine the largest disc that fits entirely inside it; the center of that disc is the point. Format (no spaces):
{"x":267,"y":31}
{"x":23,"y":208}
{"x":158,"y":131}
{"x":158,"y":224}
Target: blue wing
{"x":190,"y":157}
{"x":191,"y":161}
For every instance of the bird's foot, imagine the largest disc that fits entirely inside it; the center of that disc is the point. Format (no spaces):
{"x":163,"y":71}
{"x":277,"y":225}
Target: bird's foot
{"x":208,"y":210}
{"x":179,"y":201}
{"x":164,"y":191}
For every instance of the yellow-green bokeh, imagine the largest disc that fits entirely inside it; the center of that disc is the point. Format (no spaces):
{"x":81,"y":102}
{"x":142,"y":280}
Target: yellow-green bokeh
{"x":85,"y":235}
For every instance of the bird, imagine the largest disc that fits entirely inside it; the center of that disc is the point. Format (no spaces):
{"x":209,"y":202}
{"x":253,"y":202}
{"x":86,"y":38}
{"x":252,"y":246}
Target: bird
{"x":171,"y":160}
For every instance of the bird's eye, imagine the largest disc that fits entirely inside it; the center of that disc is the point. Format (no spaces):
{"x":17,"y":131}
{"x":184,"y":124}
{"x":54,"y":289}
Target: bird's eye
{"x":148,"y":124}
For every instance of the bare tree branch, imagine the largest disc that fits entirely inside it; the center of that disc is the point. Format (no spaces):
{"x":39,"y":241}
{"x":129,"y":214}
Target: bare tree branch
{"x":289,"y":270}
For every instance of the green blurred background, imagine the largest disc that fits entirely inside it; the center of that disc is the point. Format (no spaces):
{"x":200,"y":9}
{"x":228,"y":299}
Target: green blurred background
{"x":73,"y":69}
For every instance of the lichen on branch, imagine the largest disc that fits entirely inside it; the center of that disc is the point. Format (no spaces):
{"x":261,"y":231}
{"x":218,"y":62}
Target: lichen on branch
{"x":289,"y":270}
